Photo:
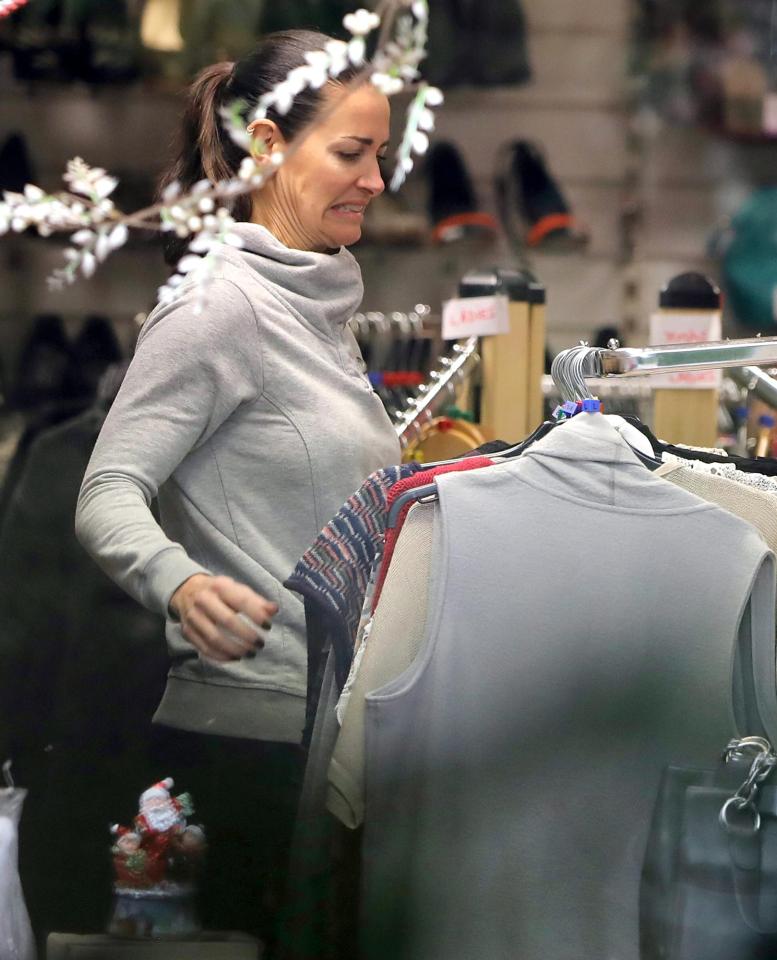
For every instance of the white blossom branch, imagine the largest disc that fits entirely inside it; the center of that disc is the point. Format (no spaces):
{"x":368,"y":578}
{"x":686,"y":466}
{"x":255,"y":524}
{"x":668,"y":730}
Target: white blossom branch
{"x":98,"y":228}
{"x":420,"y":122}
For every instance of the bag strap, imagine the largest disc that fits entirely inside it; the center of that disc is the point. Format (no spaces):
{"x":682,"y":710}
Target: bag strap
{"x":739,"y":816}
{"x":762,"y":642}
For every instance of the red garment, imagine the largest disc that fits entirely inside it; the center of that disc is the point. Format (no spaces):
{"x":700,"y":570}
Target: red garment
{"x":402,"y":486}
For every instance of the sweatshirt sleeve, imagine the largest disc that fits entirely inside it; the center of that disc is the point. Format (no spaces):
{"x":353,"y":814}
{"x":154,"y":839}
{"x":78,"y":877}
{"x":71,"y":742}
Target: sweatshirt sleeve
{"x":188,"y":374}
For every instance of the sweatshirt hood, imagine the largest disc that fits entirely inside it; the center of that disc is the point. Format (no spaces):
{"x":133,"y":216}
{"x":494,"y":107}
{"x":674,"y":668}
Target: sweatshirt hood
{"x":323,"y":289}
{"x":612,"y":475}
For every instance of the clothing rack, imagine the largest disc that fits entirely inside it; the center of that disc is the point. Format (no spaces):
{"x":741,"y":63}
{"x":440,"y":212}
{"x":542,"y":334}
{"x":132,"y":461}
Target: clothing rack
{"x":573,"y":367}
{"x":416,"y":322}
{"x":681,"y":357}
{"x":753,"y":379}
{"x":430,"y":396}
{"x":758,"y":383}
{"x":694,"y":421}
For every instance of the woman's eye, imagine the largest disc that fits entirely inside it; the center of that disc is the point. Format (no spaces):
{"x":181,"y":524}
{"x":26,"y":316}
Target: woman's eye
{"x":349,"y":157}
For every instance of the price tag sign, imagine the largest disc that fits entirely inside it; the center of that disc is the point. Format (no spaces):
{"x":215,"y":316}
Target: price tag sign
{"x":475,"y":317}
{"x":669,"y":327}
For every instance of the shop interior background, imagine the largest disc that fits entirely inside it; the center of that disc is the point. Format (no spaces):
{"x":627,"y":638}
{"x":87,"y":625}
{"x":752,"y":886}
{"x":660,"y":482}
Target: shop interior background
{"x":627,"y":101}
{"x":655,"y":117}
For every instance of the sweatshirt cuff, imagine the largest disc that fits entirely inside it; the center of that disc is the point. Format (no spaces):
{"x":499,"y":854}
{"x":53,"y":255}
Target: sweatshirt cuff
{"x":165,"y":574}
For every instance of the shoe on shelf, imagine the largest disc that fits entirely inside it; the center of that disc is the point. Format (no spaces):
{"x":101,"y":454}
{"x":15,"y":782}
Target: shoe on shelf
{"x":527,"y":192}
{"x":453,"y":206}
{"x":16,"y":169}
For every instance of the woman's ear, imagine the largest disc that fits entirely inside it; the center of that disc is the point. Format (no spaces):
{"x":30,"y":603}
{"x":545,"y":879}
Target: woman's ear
{"x":265,"y":136}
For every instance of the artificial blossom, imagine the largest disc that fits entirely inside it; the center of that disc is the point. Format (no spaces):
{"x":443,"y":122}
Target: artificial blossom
{"x":97,"y":228}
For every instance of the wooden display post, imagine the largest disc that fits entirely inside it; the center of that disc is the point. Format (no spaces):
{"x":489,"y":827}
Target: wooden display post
{"x":536,"y":297}
{"x":513,"y":363}
{"x":689,"y":413}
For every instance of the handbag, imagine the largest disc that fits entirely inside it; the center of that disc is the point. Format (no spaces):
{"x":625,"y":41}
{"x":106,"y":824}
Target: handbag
{"x":709,"y":879}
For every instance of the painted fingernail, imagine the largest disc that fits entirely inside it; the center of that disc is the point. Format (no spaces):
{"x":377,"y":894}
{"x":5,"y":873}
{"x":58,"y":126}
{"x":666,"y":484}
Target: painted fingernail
{"x":249,"y":654}
{"x":267,"y":625}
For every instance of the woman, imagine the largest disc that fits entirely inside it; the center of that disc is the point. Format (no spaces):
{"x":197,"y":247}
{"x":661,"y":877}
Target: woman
{"x":251,"y":423}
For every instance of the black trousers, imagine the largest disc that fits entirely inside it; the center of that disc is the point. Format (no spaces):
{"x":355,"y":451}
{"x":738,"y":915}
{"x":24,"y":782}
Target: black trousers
{"x":245,"y":796}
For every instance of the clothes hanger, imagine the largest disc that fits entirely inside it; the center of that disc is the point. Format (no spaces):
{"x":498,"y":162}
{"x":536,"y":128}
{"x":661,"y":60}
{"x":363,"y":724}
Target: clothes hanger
{"x":567,"y":372}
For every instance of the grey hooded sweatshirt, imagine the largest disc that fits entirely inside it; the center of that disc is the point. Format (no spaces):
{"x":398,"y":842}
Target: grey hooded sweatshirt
{"x":251,"y":423}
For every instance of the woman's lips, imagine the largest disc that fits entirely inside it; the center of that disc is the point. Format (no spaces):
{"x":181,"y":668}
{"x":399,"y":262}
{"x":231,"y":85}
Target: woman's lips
{"x":349,"y":211}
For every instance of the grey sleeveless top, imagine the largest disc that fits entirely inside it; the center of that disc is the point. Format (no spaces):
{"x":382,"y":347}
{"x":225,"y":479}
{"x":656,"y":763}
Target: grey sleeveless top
{"x":583,"y":626}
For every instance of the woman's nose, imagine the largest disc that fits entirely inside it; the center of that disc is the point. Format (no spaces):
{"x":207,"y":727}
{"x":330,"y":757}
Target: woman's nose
{"x":372,"y":180}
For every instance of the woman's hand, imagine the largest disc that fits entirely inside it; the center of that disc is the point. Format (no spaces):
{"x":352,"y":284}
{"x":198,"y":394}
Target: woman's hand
{"x":222,"y":618}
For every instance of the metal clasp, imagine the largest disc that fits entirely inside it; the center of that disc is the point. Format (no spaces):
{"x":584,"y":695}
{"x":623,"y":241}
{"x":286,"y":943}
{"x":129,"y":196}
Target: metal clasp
{"x":739,"y":814}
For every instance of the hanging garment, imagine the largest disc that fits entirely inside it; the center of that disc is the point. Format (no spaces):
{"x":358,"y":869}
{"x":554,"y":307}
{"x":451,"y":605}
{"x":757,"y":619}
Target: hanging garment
{"x":16,"y":940}
{"x":43,"y":364}
{"x":332,"y":577}
{"x":419,"y":480}
{"x":81,"y":670}
{"x":320,"y":909}
{"x":729,"y":471}
{"x":764,"y":465}
{"x":511,"y":771}
{"x":758,"y":508}
{"x":362,"y":633}
{"x":94,"y":350}
{"x":394,"y":641}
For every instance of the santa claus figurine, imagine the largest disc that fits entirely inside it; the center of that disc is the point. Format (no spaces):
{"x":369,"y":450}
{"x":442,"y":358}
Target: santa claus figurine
{"x":159,"y":848}
{"x":161,"y":812}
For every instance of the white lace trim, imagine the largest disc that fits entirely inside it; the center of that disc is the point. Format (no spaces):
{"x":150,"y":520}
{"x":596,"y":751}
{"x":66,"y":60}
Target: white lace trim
{"x":728,"y":471}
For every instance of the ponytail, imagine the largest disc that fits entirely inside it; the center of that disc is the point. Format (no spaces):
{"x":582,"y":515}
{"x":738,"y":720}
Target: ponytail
{"x":204,"y":149}
{"x":206,"y":97}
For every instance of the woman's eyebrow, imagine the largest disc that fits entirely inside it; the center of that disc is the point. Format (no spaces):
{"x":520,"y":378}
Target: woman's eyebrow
{"x":367,"y":141}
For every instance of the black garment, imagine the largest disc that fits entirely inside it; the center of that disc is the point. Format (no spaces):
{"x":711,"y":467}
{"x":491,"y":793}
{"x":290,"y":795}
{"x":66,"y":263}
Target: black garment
{"x":43,"y":365}
{"x":81,"y":671}
{"x":245,"y":795}
{"x":764,"y":465}
{"x":494,"y":447}
{"x":36,"y":422}
{"x":319,"y":917}
{"x":94,"y":349}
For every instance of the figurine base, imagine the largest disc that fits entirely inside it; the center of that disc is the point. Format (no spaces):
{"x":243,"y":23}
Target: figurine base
{"x":157,"y":913}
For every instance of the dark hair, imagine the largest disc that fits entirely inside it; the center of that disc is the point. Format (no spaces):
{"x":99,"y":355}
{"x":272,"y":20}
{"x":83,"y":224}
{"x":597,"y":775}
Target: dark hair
{"x":205,"y":149}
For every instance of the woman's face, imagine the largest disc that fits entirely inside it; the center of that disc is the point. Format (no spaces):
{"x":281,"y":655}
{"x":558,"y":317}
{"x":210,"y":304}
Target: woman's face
{"x":317,"y":199}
